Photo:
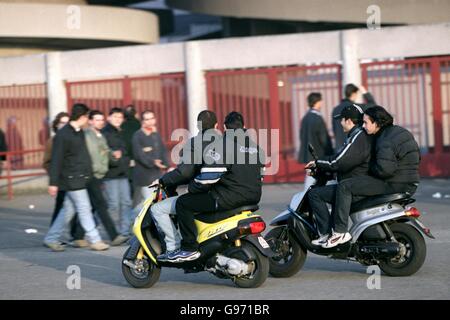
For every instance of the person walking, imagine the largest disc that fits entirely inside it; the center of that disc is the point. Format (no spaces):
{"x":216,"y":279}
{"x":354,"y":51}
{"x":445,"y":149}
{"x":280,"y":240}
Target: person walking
{"x":71,"y":170}
{"x":313,"y":131}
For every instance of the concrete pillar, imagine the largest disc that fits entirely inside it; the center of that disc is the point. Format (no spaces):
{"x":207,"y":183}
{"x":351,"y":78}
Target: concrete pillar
{"x":56,"y":90}
{"x":351,"y":70}
{"x":196,"y":83}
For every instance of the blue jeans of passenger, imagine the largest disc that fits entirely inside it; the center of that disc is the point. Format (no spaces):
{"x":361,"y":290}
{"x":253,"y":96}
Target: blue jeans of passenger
{"x":74,"y":202}
{"x":118,"y":197}
{"x":161,"y":213}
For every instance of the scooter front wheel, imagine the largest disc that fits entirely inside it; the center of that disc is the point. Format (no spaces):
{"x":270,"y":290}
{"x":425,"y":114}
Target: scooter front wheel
{"x":140,"y":273}
{"x":289,"y":256}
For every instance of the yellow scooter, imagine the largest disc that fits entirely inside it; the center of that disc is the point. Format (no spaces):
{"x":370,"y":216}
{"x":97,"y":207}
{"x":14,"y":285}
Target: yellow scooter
{"x":230,"y":244}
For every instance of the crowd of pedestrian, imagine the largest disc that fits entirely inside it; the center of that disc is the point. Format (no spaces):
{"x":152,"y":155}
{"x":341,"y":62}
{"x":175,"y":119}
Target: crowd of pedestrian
{"x":97,"y":164}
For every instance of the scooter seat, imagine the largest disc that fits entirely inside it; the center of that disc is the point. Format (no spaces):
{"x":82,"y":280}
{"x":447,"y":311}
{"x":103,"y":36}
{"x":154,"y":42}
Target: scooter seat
{"x":375,"y":201}
{"x":211,"y":217}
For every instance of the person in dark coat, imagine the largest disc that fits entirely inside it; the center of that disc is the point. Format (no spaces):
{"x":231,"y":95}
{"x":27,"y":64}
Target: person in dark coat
{"x":3,"y":148}
{"x":129,"y":128}
{"x":117,"y":186}
{"x":351,"y":93}
{"x":394,"y":167}
{"x":71,"y":170}
{"x":352,"y":160}
{"x":313,"y":131}
{"x":187,"y":169}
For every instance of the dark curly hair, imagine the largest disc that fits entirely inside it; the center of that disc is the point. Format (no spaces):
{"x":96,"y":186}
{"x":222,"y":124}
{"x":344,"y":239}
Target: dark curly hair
{"x":380,"y":116}
{"x":57,"y":119}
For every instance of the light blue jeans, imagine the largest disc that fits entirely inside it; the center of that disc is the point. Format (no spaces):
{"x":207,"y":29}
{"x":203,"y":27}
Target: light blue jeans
{"x":117,"y":194}
{"x":161,"y":213}
{"x":74,"y":202}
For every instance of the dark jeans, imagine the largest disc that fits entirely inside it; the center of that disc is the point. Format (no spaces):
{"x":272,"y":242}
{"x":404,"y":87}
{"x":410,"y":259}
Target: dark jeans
{"x":186,"y":207}
{"x":365,"y":186}
{"x":58,"y":204}
{"x":99,"y":206}
{"x":318,"y":198}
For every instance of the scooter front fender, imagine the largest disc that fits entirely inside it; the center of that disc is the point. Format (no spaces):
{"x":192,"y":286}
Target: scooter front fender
{"x":281,"y":219}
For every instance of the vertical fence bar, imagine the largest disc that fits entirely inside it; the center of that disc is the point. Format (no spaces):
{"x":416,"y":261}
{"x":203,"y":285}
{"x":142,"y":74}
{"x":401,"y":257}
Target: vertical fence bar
{"x":437,"y":107}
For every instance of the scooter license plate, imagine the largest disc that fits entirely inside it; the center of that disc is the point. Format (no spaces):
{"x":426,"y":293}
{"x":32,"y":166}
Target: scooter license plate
{"x":263,"y":242}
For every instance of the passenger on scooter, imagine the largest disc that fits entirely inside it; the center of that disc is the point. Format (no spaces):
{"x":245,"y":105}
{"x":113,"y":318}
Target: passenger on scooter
{"x":231,"y":177}
{"x":189,"y":167}
{"x":394,"y":167}
{"x":351,"y":160}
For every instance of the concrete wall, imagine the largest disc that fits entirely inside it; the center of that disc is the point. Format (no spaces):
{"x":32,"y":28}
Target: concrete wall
{"x":195,"y":58}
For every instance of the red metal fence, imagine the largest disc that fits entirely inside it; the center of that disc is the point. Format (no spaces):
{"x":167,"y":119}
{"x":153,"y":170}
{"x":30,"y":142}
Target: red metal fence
{"x":164,"y":94}
{"x":275,"y":98}
{"x":417,"y":93}
{"x":24,"y":120}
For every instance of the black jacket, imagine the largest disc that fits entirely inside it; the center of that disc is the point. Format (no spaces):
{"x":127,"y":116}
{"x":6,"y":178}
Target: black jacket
{"x":3,"y":146}
{"x":232,"y":172}
{"x":146,"y":149}
{"x":338,"y":131}
{"x":117,"y":168}
{"x":130,"y":126}
{"x":313,"y":130}
{"x":191,"y":160}
{"x":70,"y":166}
{"x":353,"y":158}
{"x":396,"y":157}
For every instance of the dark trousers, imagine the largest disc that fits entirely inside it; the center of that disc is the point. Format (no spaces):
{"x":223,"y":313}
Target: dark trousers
{"x":187,"y":206}
{"x":58,"y":204}
{"x":318,"y":198}
{"x":354,"y":189}
{"x":99,"y":206}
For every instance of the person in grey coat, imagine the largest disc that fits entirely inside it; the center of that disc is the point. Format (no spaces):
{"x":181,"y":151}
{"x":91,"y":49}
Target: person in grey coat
{"x":150,"y":155}
{"x":313,"y":131}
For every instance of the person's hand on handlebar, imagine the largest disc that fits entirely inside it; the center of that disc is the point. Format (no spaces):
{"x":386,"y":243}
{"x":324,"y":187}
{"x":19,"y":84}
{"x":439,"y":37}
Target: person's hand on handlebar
{"x":154,"y":184}
{"x":310,"y":165}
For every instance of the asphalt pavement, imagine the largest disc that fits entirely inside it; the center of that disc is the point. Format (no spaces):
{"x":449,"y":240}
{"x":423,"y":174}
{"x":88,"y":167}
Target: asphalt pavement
{"x":28,"y":270}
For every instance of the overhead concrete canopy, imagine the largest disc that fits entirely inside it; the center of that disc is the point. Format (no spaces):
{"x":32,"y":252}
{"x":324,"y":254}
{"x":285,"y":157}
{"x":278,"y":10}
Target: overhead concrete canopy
{"x":46,"y":25}
{"x":350,"y":11}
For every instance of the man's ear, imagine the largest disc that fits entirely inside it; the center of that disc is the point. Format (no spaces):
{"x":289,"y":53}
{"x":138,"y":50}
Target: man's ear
{"x":216,"y":126}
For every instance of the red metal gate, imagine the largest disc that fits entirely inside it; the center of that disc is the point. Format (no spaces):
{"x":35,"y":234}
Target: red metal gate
{"x":417,"y":93}
{"x":165,"y":94}
{"x":275,"y":98}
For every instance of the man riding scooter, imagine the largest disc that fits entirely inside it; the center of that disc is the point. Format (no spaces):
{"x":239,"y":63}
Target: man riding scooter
{"x":189,"y":167}
{"x":394,"y":167}
{"x":230,"y":177}
{"x":352,"y":160}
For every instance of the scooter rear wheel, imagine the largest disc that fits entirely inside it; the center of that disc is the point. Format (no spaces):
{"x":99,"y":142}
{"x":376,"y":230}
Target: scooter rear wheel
{"x":146,"y":277}
{"x":413,"y":257}
{"x":261,"y":268}
{"x":289,"y":256}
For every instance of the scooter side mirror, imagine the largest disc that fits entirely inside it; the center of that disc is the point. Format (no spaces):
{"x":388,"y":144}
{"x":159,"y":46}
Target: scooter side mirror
{"x":312,"y":151}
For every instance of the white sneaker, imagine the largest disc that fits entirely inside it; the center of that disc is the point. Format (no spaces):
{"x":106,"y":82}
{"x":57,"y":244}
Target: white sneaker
{"x":320,"y":241}
{"x":337,"y":239}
